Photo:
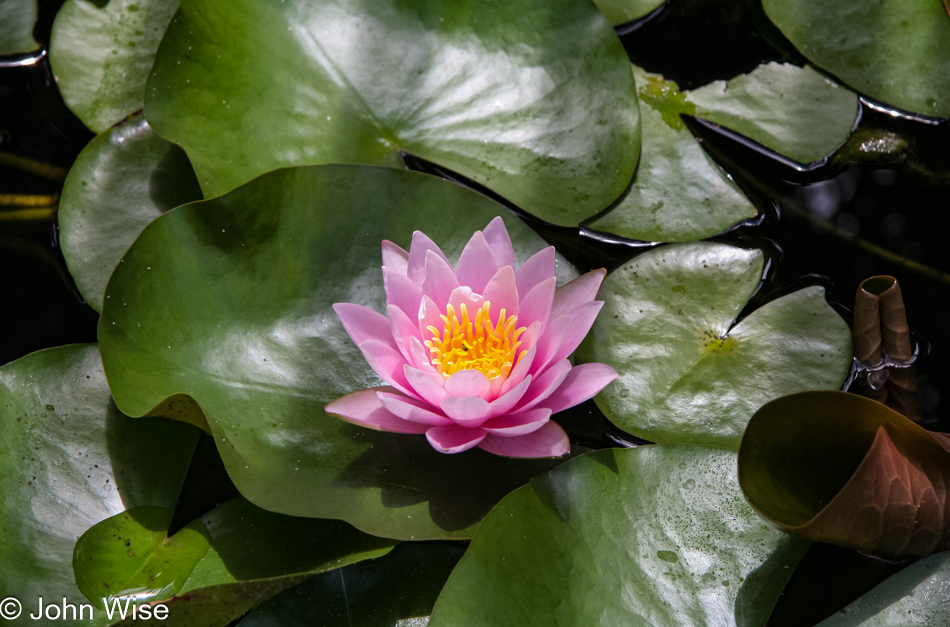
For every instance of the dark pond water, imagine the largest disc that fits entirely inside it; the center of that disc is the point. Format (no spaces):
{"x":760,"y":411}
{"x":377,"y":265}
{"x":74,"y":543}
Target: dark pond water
{"x":40,"y":306}
{"x":834,"y":224}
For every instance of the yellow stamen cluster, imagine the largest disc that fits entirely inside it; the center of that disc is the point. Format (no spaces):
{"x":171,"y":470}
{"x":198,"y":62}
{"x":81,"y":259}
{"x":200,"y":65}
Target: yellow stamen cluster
{"x":491,"y":348}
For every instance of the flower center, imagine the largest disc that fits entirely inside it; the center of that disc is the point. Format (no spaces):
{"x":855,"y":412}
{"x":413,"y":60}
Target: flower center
{"x":462,"y":344}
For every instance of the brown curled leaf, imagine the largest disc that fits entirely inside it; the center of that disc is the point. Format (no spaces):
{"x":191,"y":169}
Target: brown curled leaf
{"x":902,"y":390}
{"x":881,"y":332}
{"x":842,"y":469}
{"x":866,"y":339}
{"x":866,"y":336}
{"x":895,"y":333}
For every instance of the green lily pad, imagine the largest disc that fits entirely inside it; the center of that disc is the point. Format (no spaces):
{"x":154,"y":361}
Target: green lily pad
{"x":124,"y":178}
{"x":656,"y":535}
{"x":623,"y":11}
{"x":69,"y":459}
{"x":896,"y":53}
{"x":678,"y":193}
{"x":917,"y":595}
{"x":218,"y":567}
{"x":794,"y":111}
{"x":532,"y":100}
{"x":398,"y":589}
{"x":102,"y":53}
{"x":16,"y":27}
{"x":688,"y":372}
{"x":231,"y":306}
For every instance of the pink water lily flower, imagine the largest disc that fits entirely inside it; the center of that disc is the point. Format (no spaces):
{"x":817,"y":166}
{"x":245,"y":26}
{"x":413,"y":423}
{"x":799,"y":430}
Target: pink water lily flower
{"x":476,"y":355}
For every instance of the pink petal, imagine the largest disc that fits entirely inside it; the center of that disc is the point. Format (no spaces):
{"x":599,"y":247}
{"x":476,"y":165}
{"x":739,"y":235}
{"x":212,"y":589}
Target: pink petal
{"x":401,"y":292}
{"x":502,"y":293}
{"x":465,"y":296}
{"x":544,"y":384}
{"x":421,"y":244}
{"x":467,"y":411}
{"x":523,"y":367}
{"x":530,"y":337}
{"x":548,"y":441}
{"x":362,"y":323}
{"x":420,"y":357}
{"x":424,"y":385}
{"x":440,"y":278}
{"x":504,"y":403}
{"x":395,"y":258}
{"x":467,"y":383}
{"x":388,"y":363}
{"x":494,"y":387}
{"x":412,"y":410}
{"x":402,"y":329}
{"x":549,"y":342}
{"x":454,"y":439}
{"x":497,"y":237}
{"x":582,"y":383}
{"x":516,"y":425}
{"x":536,"y":304}
{"x":537,"y":268}
{"x":430,"y":315}
{"x":579,"y":291}
{"x":363,"y":408}
{"x":477,"y":264}
{"x":582,"y":319}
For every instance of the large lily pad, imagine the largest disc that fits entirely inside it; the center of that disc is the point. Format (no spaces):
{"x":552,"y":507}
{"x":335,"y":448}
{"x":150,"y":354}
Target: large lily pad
{"x":794,"y":111}
{"x":842,"y":469}
{"x":678,"y":193}
{"x":531,"y":98}
{"x":898,"y":53}
{"x":397,"y":590}
{"x":218,"y":567}
{"x":102,"y":52}
{"x":231,"y":305}
{"x":125,"y":178}
{"x":68,"y":460}
{"x":656,"y":535}
{"x":688,"y":372}
{"x":916,"y":595}
{"x":16,"y":27}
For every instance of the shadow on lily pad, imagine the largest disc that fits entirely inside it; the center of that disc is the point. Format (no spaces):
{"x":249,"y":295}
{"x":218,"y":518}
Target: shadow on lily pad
{"x":408,"y":471}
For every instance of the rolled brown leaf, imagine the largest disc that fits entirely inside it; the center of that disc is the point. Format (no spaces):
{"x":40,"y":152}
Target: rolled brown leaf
{"x":895,"y":334}
{"x":845,"y":470}
{"x":903,"y":392}
{"x":881,"y":331}
{"x":892,"y":506}
{"x":943,"y":439}
{"x":866,"y":337}
{"x":902,"y":389}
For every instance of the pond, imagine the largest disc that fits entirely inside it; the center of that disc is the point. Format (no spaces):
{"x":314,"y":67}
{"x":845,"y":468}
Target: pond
{"x":878,"y":205}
